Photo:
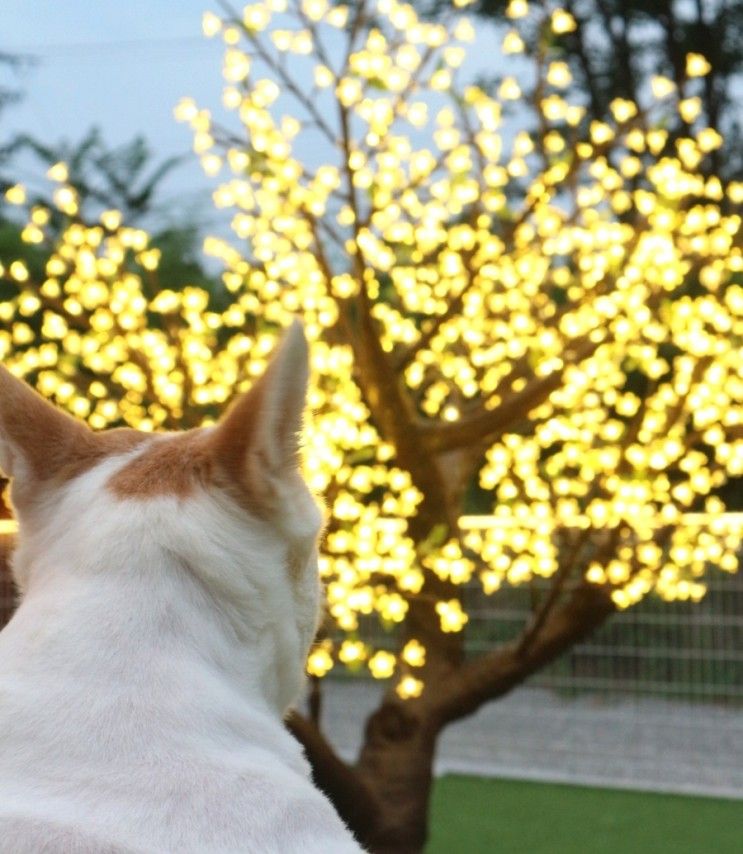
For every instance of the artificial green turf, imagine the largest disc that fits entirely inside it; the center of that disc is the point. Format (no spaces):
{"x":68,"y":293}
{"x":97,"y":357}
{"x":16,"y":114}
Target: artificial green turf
{"x":472,"y":815}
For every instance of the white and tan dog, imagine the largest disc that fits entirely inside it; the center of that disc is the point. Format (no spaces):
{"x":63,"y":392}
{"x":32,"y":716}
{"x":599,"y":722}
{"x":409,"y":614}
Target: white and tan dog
{"x":169,"y":596}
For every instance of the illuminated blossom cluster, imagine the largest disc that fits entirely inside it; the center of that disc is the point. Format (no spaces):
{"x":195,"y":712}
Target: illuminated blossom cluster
{"x":501,"y":246}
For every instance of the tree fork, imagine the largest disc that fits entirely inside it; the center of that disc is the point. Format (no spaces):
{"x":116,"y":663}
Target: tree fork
{"x":385,"y":798}
{"x":396,"y":762}
{"x":495,"y":674}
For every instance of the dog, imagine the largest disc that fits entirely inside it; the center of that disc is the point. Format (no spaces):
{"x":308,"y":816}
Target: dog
{"x":169,"y":595}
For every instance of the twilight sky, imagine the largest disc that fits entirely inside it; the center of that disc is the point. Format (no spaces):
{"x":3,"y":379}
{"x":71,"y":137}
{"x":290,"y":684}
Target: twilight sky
{"x":123,"y":66}
{"x":119,"y":65}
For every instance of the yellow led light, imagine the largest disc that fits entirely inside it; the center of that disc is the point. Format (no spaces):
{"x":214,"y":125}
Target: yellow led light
{"x":661,"y":86}
{"x":210,"y":24}
{"x":690,"y":109}
{"x":58,"y":172}
{"x":382,"y":664}
{"x":16,"y":195}
{"x":414,"y":653}
{"x":512,"y":43}
{"x":562,"y":22}
{"x":409,"y":687}
{"x":319,"y":662}
{"x":697,"y":65}
{"x":517,"y":9}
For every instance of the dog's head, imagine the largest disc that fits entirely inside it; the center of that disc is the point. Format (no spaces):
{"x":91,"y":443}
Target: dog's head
{"x":224,"y":505}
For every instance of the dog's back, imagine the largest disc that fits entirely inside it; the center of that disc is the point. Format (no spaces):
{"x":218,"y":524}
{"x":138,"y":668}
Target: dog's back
{"x":169,"y":595}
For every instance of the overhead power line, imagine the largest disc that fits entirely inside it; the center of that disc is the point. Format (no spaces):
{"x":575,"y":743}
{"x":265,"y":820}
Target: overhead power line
{"x":148,"y":43}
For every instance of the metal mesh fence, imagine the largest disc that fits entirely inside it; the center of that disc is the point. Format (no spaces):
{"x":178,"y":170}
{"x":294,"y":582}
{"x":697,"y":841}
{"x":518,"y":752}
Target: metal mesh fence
{"x":653,"y":700}
{"x":673,"y":650}
{"x":682,"y":650}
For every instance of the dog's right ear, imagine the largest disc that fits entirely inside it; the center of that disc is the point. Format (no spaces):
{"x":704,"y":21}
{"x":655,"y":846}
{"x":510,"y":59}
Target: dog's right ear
{"x":256,"y":444}
{"x":37,"y":440}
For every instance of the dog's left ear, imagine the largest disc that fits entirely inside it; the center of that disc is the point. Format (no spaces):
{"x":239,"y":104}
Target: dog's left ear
{"x":37,"y":440}
{"x":256,"y":445}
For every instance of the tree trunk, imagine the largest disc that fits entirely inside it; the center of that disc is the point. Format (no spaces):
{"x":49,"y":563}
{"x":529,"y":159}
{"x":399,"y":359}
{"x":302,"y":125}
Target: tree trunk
{"x":385,"y":797}
{"x":396,"y":763}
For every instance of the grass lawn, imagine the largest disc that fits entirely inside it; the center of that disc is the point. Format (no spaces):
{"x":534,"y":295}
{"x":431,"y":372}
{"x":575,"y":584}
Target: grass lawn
{"x":472,"y":815}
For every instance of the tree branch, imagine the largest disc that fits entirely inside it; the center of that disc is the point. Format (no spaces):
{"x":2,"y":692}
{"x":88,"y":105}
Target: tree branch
{"x":281,"y":72}
{"x":487,"y":425}
{"x":496,"y":673}
{"x":532,"y":630}
{"x":351,"y":796}
{"x":584,"y":59}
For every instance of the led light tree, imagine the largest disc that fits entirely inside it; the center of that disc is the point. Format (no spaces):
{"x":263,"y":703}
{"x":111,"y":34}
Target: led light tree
{"x":504,"y":300}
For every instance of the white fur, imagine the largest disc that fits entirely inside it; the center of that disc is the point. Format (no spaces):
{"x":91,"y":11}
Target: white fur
{"x":144,"y":677}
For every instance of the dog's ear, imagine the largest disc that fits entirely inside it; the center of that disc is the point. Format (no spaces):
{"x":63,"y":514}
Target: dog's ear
{"x":37,"y":440}
{"x":256,"y":444}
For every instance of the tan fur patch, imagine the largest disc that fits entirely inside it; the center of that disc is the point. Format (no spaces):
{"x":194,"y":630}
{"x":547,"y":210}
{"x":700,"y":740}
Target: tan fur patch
{"x":52,"y":443}
{"x":236,"y":469}
{"x":235,"y":432}
{"x":296,"y":560}
{"x":98,"y":446}
{"x":171,"y":465}
{"x":54,"y":446}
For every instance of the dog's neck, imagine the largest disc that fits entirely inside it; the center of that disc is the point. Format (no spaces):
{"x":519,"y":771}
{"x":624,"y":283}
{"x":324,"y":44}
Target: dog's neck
{"x":163,"y":654}
{"x":191,"y":582}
